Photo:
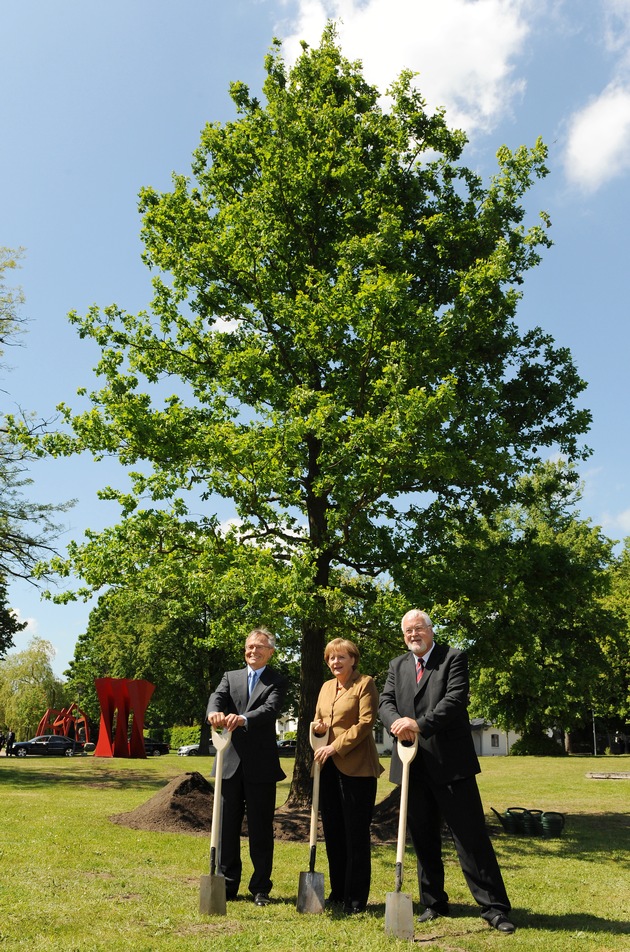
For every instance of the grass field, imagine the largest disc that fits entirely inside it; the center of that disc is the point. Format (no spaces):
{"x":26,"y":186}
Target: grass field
{"x":71,"y":880}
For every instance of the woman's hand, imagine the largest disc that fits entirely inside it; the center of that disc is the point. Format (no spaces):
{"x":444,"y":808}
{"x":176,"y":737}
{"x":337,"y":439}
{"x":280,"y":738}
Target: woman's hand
{"x":322,"y":754}
{"x":319,"y":728}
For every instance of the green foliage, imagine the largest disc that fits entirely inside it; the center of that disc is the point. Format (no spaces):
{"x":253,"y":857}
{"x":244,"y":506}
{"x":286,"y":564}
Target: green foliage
{"x":613,"y":690}
{"x":9,"y":624}
{"x":537,"y":745}
{"x":28,"y":687}
{"x":334,"y":310}
{"x":524,"y":590}
{"x":180,"y":735}
{"x":133,"y":635}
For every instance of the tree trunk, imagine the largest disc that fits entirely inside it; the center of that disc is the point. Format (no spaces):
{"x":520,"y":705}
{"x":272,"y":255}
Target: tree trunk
{"x":311,"y":677}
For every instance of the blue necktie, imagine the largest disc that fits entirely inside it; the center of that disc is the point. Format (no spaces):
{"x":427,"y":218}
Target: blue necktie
{"x":252,"y":680}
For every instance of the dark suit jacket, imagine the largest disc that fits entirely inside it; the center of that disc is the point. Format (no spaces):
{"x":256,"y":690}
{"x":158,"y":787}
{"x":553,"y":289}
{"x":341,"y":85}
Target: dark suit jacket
{"x":439,"y":706}
{"x":255,"y":747}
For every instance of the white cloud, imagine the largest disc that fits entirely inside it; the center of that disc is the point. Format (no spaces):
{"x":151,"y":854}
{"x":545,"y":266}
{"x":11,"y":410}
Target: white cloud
{"x":463,"y":50}
{"x":598,"y":144}
{"x":617,"y":525}
{"x":617,"y":26}
{"x":32,"y":625}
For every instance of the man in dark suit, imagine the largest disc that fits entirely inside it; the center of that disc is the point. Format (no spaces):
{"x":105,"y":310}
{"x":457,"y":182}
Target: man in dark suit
{"x":248,"y":702}
{"x":426,"y":694}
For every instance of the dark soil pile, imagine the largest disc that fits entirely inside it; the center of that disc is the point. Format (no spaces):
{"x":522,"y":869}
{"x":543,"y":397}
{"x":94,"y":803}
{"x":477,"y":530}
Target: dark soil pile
{"x":185,"y":806}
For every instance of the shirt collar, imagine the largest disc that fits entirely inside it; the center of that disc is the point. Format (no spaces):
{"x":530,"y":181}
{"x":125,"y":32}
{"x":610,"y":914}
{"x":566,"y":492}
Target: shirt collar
{"x":425,"y":657}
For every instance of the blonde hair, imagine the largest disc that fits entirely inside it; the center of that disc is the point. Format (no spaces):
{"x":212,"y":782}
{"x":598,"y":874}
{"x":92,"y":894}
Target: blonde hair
{"x":343,"y":644}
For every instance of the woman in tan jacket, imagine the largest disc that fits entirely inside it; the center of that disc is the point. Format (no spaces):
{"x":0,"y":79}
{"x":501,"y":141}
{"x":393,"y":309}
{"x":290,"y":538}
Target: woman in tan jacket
{"x":347,"y":707}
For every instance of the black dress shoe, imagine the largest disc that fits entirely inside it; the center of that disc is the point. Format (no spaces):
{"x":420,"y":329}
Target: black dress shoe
{"x":431,"y":912}
{"x":350,"y":908}
{"x":332,"y":901}
{"x":502,"y":924}
{"x":262,"y":899}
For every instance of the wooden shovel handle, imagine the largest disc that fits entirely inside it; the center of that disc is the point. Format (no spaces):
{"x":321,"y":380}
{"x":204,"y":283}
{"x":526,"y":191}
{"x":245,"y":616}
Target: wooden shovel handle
{"x":406,"y":753}
{"x":316,"y":743}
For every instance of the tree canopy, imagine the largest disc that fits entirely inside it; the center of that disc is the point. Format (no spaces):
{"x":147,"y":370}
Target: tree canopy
{"x":525,"y":589}
{"x":332,"y":351}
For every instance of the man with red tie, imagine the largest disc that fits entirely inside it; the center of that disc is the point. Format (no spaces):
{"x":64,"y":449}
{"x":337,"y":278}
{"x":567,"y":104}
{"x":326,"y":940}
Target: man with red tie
{"x":426,"y":694}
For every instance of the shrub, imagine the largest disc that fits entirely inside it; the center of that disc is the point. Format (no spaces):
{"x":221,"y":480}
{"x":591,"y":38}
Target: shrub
{"x":537,"y":745}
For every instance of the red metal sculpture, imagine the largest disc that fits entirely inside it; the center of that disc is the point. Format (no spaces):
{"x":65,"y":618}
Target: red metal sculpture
{"x":119,"y":698}
{"x":68,"y":722}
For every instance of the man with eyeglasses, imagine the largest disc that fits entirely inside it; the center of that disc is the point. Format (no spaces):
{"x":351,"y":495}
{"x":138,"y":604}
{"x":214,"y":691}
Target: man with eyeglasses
{"x":248,"y":702}
{"x":426,"y":695}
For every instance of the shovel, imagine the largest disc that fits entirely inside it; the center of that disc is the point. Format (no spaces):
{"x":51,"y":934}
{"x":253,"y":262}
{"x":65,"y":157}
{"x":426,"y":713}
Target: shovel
{"x":311,"y":886}
{"x":398,"y":905}
{"x":212,"y":891}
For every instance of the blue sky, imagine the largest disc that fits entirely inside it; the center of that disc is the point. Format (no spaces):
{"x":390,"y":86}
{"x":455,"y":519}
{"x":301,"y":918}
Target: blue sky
{"x":100,"y":99}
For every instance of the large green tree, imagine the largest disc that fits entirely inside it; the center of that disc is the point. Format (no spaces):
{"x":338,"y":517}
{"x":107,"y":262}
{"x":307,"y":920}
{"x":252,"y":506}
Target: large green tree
{"x":133,"y":634}
{"x":613,"y":691}
{"x":334,"y":314}
{"x":525,"y":590}
{"x":28,"y":687}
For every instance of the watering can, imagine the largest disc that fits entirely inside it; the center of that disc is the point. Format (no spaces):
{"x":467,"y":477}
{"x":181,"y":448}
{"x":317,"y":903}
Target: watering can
{"x":513,"y":820}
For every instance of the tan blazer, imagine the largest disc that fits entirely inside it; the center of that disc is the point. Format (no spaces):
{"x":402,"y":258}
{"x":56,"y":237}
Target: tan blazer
{"x":351,"y":714}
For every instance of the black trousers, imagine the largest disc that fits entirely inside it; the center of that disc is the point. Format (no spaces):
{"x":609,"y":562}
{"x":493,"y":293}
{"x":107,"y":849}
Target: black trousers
{"x":460,"y":805}
{"x":259,"y":800}
{"x":346,"y":805}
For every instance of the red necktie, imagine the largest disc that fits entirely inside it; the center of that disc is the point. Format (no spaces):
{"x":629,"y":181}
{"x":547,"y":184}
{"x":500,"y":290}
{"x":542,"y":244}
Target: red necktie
{"x":419,"y":669}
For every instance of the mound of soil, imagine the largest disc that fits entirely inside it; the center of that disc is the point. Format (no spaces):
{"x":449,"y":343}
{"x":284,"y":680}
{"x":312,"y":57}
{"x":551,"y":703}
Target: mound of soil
{"x":185,"y":806}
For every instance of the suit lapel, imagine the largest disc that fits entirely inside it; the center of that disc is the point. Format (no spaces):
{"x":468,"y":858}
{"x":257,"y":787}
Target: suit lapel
{"x":240,"y":694}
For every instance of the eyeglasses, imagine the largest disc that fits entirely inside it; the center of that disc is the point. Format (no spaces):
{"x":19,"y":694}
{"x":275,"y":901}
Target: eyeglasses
{"x":258,"y":648}
{"x":420,"y":630}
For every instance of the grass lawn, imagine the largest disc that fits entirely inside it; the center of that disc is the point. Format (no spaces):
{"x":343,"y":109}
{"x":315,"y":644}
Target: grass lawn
{"x":73,"y":881}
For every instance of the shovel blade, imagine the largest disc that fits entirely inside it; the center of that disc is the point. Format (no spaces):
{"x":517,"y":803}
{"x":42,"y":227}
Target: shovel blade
{"x":399,"y":915}
{"x":311,"y":892}
{"x":212,"y":896}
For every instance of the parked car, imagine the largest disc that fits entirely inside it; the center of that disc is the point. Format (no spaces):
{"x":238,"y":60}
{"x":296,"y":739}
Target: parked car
{"x":155,"y":748}
{"x":192,"y":750}
{"x":52,"y":745}
{"x":287,"y":746}
{"x":188,"y":750}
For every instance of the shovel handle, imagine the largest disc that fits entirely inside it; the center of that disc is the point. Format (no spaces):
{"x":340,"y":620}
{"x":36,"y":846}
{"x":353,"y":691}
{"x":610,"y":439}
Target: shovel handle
{"x":316,"y":743}
{"x":220,"y":741}
{"x":406,"y":753}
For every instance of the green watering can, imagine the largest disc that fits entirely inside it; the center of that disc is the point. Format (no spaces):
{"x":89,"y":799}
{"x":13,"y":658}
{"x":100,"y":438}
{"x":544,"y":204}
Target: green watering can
{"x":552,"y":823}
{"x":512,"y":820}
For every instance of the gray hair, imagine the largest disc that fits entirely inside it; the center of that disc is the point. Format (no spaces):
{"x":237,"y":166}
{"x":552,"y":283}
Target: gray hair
{"x":416,"y":611}
{"x":271,"y":639}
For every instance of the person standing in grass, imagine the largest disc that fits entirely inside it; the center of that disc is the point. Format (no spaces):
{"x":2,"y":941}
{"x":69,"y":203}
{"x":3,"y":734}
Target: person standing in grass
{"x":426,"y":696}
{"x":247,"y":703}
{"x":346,"y":707}
{"x":10,"y":742}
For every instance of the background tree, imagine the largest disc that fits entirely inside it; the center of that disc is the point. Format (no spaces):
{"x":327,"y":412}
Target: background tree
{"x":334,"y":301}
{"x":27,"y":530}
{"x":523,"y":590}
{"x":133,"y":635}
{"x":612,"y":697}
{"x":28,"y":687}
{"x":9,"y":623}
